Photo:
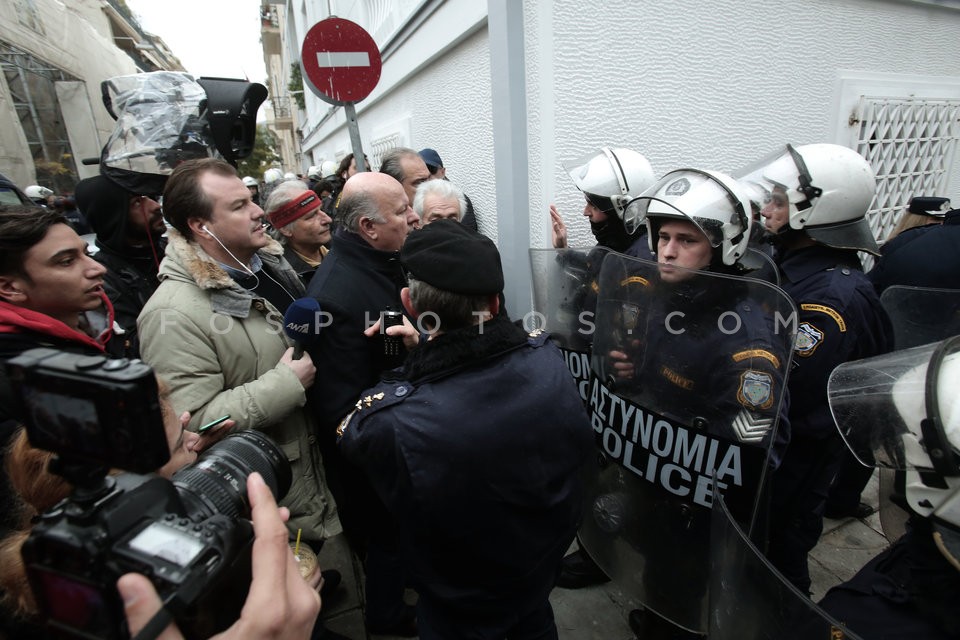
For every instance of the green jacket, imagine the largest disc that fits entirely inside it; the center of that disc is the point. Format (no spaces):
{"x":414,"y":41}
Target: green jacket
{"x":218,"y":347}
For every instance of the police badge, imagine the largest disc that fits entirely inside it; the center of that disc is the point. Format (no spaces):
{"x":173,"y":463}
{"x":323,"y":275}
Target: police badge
{"x":756,"y":390}
{"x":808,"y":339}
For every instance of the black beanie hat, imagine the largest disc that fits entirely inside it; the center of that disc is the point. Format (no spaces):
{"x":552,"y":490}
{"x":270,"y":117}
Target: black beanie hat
{"x":451,"y":257}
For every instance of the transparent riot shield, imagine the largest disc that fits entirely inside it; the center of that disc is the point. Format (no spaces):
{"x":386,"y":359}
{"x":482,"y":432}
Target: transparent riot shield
{"x":921,"y":315}
{"x":565,"y":286}
{"x":687,"y":376}
{"x":891,"y":410}
{"x":750,"y":599}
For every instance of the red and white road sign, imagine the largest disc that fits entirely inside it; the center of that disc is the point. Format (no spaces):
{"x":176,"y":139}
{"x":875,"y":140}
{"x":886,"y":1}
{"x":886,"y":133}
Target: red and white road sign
{"x":340,"y":61}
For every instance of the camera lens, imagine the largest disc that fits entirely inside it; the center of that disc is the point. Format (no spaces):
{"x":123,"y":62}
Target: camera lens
{"x":217,"y":482}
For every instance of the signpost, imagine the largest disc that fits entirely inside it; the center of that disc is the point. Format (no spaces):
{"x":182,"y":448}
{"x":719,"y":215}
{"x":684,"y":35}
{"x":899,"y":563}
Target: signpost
{"x":341,"y":65}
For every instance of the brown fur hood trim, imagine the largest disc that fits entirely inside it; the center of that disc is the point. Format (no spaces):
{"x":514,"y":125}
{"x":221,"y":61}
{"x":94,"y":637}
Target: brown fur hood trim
{"x":189,"y":259}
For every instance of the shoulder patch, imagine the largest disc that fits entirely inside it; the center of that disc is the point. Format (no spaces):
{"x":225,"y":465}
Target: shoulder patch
{"x":833,"y":313}
{"x":756,"y":390}
{"x":740,"y":356}
{"x":808,"y":339}
{"x":634,"y":280}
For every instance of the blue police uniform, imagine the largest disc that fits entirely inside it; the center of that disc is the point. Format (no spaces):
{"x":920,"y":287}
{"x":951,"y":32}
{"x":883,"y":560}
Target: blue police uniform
{"x":839,"y":319}
{"x":476,"y":453}
{"x":927,"y":256}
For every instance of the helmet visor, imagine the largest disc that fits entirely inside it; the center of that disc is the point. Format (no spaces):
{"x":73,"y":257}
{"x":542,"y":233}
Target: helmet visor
{"x":599,"y":174}
{"x":901,"y":410}
{"x":777,"y":171}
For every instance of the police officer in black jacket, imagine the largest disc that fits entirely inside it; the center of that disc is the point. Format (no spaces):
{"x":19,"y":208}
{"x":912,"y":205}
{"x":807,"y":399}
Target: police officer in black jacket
{"x":475,"y":447}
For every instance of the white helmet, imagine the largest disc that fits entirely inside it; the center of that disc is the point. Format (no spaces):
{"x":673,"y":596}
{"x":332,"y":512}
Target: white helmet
{"x":829,"y":189}
{"x":289,"y":175}
{"x":901,"y":411}
{"x":711,"y":200}
{"x":249,"y":181}
{"x":36,"y":192}
{"x":314,"y":172}
{"x":611,"y":178}
{"x":272,"y":175}
{"x":328,"y":168}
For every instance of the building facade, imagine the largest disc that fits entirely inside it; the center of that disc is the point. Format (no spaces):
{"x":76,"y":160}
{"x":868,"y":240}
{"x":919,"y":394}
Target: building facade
{"x":507,"y":90}
{"x":54,"y":56}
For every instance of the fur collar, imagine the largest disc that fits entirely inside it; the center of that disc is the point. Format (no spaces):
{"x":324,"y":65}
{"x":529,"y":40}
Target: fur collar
{"x":202,"y":268}
{"x":463,"y":348}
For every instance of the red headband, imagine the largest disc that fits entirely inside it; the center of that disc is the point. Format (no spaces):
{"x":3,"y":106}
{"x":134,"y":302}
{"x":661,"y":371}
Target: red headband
{"x":294,"y":210}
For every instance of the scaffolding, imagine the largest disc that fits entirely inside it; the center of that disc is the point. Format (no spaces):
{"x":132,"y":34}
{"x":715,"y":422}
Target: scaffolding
{"x":32,"y":85}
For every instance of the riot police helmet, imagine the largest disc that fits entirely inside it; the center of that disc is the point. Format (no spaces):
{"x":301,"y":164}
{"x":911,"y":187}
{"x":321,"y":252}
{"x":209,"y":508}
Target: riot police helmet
{"x":610,"y":178}
{"x":38,"y":194}
{"x":901,"y":411}
{"x":711,"y":200}
{"x":272,"y":175}
{"x":824,"y":190}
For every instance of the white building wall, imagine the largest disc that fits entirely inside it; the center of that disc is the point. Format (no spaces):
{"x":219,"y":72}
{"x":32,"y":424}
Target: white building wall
{"x":713,"y":85}
{"x":687,"y":83}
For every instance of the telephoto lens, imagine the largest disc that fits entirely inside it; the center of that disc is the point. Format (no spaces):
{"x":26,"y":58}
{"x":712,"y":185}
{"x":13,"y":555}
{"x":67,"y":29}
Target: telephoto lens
{"x":217,"y":482}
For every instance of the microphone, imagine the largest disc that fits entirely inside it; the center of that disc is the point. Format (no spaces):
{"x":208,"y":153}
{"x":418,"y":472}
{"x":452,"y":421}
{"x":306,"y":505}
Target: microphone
{"x":302,"y":324}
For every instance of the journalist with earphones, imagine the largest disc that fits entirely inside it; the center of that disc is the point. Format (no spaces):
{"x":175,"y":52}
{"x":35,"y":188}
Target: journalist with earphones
{"x":213,"y":329}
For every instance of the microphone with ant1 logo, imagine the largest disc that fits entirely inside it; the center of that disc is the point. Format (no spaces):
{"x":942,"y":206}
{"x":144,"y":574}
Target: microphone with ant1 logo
{"x":302,"y":323}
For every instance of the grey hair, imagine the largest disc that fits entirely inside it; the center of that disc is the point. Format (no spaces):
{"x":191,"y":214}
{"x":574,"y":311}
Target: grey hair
{"x":355,"y":206}
{"x":440,"y":309}
{"x":279,"y":196}
{"x":442,"y":189}
{"x":390,"y":162}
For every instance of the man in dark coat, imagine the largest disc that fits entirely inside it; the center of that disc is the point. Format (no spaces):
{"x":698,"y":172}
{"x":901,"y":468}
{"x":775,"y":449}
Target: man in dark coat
{"x":360,"y":278}
{"x":129,"y":229}
{"x":483,"y":481}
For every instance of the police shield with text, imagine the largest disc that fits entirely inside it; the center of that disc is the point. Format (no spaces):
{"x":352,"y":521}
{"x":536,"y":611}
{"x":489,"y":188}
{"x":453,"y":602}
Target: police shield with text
{"x":688,"y":381}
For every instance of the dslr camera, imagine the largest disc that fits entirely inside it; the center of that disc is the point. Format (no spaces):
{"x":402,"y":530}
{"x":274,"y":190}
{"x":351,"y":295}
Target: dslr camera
{"x":191,"y":536}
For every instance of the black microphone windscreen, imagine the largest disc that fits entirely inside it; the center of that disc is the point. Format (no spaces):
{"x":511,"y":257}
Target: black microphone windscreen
{"x":302,"y":321}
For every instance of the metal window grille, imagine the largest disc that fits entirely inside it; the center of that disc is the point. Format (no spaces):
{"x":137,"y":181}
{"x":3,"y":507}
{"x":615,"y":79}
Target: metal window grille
{"x":381,"y":145}
{"x":910,"y":143}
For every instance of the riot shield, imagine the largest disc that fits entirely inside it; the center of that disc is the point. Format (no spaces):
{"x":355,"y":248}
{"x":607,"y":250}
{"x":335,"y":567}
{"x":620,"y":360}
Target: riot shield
{"x":888,"y":409}
{"x":565,"y":286}
{"x":921,"y":315}
{"x":687,"y":377}
{"x":750,"y":599}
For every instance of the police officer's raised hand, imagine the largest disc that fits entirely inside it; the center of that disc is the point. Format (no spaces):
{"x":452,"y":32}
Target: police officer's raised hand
{"x":280,"y":604}
{"x":303,"y":367}
{"x":407,"y":332}
{"x":558,"y":230}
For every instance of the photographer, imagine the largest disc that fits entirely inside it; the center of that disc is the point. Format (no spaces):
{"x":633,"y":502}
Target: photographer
{"x":280,"y":603}
{"x":35,"y":489}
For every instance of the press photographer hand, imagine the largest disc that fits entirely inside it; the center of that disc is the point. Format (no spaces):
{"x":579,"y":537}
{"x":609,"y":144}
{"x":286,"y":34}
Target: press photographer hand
{"x":280,"y":604}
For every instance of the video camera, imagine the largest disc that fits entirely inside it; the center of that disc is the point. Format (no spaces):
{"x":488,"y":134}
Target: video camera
{"x":190,"y":535}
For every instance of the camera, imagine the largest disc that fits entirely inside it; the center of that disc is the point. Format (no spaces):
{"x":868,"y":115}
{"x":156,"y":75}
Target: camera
{"x":191,"y":535}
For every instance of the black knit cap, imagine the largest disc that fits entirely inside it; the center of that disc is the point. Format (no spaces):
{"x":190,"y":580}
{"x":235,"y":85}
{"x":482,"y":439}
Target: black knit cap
{"x":449,"y":256}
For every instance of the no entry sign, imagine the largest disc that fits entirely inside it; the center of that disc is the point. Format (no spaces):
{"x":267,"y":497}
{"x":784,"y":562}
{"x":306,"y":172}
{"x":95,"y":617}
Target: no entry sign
{"x":341,"y":62}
